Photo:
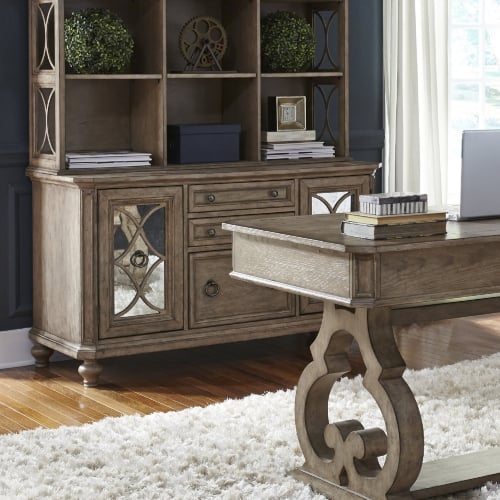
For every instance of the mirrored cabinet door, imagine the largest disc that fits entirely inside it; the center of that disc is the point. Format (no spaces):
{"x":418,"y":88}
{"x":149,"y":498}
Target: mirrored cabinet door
{"x":140,"y":269}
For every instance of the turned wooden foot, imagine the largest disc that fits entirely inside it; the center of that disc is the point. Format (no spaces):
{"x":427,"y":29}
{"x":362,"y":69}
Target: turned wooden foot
{"x":90,"y":371}
{"x":341,"y":458}
{"x":41,"y":354}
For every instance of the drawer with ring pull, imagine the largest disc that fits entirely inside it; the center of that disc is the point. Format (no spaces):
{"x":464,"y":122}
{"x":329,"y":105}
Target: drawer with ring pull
{"x":218,"y":299}
{"x":241,"y":195}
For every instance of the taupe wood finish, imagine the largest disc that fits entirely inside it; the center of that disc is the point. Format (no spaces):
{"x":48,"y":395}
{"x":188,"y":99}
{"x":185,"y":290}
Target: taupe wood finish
{"x":74,"y":210}
{"x":76,"y":216}
{"x":131,"y":111}
{"x":309,"y":255}
{"x":216,"y":301}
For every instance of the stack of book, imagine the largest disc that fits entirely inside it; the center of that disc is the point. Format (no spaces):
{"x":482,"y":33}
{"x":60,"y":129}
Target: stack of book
{"x":296,"y":150}
{"x":393,"y":203}
{"x":99,"y":159}
{"x":394,"y":215}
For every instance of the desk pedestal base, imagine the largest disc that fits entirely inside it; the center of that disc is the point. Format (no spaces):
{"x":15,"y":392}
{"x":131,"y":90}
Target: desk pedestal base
{"x":439,"y":477}
{"x":341,"y":458}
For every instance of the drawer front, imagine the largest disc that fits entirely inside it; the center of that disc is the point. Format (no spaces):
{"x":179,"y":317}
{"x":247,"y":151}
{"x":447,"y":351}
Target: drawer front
{"x":208,"y":231}
{"x":218,"y":299}
{"x":241,"y":195}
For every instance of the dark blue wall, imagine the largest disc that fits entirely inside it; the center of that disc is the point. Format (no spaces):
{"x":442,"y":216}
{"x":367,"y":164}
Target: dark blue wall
{"x":366,"y":81}
{"x":365,"y":48}
{"x":15,"y":188}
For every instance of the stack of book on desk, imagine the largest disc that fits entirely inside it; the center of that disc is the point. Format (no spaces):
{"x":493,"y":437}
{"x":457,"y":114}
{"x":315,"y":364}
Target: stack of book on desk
{"x":393,"y":215}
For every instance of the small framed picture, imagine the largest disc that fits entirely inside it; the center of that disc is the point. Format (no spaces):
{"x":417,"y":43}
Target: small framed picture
{"x":287,"y":113}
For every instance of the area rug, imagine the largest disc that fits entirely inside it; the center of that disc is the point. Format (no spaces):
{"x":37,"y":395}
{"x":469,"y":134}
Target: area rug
{"x":238,"y":449}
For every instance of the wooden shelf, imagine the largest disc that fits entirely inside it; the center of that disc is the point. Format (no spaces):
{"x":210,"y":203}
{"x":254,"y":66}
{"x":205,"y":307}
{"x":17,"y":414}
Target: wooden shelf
{"x":307,"y":74}
{"x":210,"y":75}
{"x":125,"y":76}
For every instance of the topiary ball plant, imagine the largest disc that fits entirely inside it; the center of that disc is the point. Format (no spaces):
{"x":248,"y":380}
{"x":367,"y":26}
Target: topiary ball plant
{"x":97,"y":41}
{"x":287,"y":42}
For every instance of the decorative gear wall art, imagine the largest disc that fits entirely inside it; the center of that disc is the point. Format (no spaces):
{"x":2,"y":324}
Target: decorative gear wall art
{"x":203,"y":43}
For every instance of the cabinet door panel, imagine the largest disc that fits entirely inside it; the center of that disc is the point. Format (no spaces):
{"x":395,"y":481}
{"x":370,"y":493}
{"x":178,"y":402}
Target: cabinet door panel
{"x":140,"y":247}
{"x":218,"y":299}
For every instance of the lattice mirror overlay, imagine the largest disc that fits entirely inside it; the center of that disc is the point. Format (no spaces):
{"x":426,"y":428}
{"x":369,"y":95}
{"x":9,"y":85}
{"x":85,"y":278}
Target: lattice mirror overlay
{"x":326,"y":28}
{"x":326,"y":119}
{"x":330,"y":203}
{"x":139,"y":260}
{"x":44,"y":121}
{"x":45,"y":41}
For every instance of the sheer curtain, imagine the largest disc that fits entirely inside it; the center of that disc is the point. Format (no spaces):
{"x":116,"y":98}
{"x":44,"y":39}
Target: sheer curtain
{"x":416,"y":97}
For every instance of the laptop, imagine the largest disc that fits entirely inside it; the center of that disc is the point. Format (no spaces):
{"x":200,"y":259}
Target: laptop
{"x":480,"y":184}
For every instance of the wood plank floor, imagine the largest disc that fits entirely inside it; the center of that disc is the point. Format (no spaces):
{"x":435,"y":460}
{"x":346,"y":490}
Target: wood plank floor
{"x":175,"y":380}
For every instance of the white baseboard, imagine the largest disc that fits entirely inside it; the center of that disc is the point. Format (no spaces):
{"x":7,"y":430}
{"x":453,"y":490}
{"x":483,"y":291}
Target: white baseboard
{"x":15,"y":349}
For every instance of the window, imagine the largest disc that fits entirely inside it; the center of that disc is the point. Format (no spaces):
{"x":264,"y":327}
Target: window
{"x":474,"y":76}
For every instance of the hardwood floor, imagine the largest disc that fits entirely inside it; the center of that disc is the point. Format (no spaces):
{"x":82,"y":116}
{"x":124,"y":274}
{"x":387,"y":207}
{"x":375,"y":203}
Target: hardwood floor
{"x":175,"y":380}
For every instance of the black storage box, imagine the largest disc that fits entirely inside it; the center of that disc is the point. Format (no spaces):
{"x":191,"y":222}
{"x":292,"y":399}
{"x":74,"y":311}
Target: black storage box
{"x":207,"y":143}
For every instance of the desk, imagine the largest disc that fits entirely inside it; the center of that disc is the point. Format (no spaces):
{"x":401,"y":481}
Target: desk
{"x":367,"y":287}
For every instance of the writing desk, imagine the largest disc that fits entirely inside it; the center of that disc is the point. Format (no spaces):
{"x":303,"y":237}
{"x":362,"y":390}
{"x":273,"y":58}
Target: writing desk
{"x":367,"y":287}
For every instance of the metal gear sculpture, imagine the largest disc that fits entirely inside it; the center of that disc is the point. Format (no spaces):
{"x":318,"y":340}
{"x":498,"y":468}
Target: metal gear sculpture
{"x":203,"y":43}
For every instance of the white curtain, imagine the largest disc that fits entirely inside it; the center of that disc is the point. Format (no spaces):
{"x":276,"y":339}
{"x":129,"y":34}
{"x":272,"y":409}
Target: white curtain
{"x":416,"y":97}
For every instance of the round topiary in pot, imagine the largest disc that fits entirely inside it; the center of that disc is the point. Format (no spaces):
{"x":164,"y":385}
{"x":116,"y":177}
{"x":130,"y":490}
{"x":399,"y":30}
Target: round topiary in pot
{"x":287,"y":42}
{"x":97,"y":41}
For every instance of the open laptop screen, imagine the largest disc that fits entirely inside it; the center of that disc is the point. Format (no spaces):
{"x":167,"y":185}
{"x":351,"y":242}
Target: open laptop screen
{"x":480,"y":185}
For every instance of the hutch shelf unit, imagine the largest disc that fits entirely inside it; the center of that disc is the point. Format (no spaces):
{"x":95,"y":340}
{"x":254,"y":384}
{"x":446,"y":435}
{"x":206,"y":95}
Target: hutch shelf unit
{"x":134,"y":260}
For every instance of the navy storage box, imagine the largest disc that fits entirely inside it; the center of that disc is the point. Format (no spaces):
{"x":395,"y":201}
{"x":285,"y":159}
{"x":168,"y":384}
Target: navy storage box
{"x":213,"y":142}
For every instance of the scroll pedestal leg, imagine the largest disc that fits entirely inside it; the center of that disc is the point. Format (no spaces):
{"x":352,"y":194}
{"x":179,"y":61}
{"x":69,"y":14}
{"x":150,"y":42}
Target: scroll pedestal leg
{"x":341,"y":458}
{"x":42,"y":355}
{"x":90,"y":372}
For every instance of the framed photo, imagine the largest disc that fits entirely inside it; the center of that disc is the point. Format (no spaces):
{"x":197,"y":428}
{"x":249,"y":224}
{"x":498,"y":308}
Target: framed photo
{"x":287,"y":113}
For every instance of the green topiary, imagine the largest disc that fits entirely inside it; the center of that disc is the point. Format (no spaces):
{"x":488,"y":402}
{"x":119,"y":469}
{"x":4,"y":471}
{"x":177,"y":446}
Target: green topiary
{"x":287,"y":42}
{"x":97,"y":41}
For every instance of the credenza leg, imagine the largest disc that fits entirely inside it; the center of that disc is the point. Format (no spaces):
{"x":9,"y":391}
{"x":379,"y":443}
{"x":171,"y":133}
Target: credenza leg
{"x":41,"y":354}
{"x":90,"y":371}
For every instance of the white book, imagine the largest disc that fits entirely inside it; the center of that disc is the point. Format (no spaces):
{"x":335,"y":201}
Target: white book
{"x":288,"y":135}
{"x":110,"y":164}
{"x":89,"y":156}
{"x":294,"y":145}
{"x":107,"y":159}
{"x":297,"y":156}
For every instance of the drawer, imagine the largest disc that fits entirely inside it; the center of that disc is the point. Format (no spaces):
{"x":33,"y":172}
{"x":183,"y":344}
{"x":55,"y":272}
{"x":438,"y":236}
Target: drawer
{"x":218,"y":299}
{"x":241,"y":195}
{"x":208,"y":231}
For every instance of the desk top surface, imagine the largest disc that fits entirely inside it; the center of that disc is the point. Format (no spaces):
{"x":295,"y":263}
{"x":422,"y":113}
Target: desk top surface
{"x":323,"y":231}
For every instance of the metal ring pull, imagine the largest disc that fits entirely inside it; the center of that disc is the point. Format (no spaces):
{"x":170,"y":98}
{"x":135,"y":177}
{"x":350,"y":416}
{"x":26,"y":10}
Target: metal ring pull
{"x":274,"y":193}
{"x":139,"y":259}
{"x":211,"y":232}
{"x":211,"y":288}
{"x":211,"y":198}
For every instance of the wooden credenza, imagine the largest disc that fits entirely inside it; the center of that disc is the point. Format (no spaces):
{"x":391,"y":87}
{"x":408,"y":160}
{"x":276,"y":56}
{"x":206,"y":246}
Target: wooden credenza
{"x":136,"y":262}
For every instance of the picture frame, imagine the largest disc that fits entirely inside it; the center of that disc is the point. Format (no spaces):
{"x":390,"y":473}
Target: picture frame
{"x":286,"y":113}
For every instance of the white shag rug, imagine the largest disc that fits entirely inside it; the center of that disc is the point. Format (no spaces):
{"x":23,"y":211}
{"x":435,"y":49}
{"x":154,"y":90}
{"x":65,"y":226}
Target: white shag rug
{"x":238,"y":449}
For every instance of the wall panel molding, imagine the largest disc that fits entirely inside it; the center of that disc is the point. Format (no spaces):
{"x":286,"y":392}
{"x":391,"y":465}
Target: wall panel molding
{"x":19,"y":250}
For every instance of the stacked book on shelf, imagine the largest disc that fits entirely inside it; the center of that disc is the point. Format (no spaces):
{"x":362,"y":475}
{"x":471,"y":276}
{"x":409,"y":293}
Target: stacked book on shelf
{"x":296,"y":150}
{"x":393,"y":215}
{"x":293,"y":145}
{"x":99,"y":159}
